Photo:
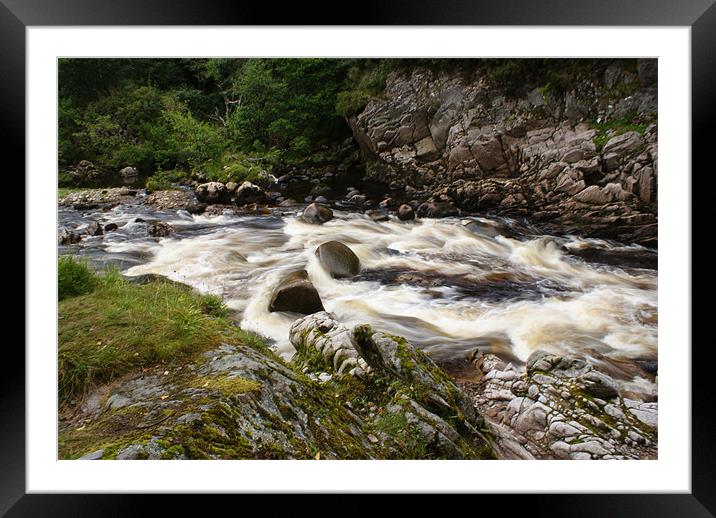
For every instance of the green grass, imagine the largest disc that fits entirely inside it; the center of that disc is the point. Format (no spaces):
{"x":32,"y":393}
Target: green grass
{"x":64,"y":191}
{"x":121,"y":327}
{"x":610,"y":129}
{"x":73,"y":278}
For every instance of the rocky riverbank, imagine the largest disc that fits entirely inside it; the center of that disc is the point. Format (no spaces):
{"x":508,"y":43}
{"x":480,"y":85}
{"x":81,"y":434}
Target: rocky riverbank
{"x":583,"y":159}
{"x":241,"y":401}
{"x":358,"y":393}
{"x":579,"y":160}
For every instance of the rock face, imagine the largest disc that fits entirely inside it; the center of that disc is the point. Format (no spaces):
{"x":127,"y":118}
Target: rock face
{"x":213,"y":193}
{"x":295,"y":293}
{"x":468,"y":141}
{"x":316,"y":214}
{"x":337,"y":259}
{"x":561,"y":408}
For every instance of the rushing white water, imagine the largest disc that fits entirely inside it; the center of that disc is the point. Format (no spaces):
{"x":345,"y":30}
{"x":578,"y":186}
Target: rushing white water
{"x":443,"y":287}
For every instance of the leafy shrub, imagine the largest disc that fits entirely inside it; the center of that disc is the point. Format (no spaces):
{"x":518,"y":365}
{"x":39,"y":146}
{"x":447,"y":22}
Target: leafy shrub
{"x":165,"y":180}
{"x":73,"y":278}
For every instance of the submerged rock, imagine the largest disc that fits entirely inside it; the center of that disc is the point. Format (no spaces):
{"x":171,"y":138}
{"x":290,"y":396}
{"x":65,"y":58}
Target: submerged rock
{"x":337,"y":259}
{"x":159,"y":229}
{"x":295,"y":293}
{"x":316,"y":214}
{"x":94,"y":229}
{"x":68,"y":237}
{"x":377,"y":215}
{"x":437,"y":210}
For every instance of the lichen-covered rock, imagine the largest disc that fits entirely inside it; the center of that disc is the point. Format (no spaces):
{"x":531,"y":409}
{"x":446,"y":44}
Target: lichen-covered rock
{"x":419,"y":397}
{"x":242,"y":402}
{"x":561,"y":407}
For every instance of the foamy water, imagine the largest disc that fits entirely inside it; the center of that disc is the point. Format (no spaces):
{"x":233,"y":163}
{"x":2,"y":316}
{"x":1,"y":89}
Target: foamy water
{"x":443,"y":287}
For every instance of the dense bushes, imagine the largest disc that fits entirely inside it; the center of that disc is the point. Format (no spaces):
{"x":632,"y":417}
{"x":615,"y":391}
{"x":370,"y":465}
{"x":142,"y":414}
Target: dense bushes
{"x":237,"y":118}
{"x":219,"y":117}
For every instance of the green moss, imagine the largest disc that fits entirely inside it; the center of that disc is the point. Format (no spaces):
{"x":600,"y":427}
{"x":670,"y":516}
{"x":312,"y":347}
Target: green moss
{"x":228,"y":385}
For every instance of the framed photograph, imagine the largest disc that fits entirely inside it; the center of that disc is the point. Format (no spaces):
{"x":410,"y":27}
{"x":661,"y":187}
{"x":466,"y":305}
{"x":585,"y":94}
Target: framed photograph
{"x":414,"y":254}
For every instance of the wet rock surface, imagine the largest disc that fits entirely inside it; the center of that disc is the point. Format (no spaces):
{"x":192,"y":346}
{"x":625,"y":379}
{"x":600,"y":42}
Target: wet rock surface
{"x":295,"y":293}
{"x":338,"y":259}
{"x":316,"y":214}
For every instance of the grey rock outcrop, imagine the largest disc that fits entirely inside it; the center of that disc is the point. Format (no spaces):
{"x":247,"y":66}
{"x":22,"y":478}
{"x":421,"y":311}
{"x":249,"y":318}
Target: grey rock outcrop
{"x":540,"y":154}
{"x":561,"y":408}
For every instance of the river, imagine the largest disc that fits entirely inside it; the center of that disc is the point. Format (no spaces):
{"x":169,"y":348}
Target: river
{"x":501,"y":285}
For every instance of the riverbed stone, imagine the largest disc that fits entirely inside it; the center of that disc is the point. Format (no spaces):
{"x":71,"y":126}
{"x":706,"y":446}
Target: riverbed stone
{"x":213,"y":193}
{"x":295,"y":293}
{"x":316,"y":214}
{"x":338,"y":259}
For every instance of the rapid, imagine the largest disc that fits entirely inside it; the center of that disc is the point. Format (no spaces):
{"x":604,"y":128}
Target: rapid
{"x":495,"y":284}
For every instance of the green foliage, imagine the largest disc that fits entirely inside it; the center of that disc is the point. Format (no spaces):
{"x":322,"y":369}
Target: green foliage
{"x":287,"y":104}
{"x":365,"y":81}
{"x":73,"y":278}
{"x":165,"y":180}
{"x":121,"y":326}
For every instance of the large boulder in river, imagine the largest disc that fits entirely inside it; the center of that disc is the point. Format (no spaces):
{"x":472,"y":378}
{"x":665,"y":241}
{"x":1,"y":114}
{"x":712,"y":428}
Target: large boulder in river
{"x":295,"y":293}
{"x":337,"y":259}
{"x":213,"y":193}
{"x":316,"y":214}
{"x":248,"y":193}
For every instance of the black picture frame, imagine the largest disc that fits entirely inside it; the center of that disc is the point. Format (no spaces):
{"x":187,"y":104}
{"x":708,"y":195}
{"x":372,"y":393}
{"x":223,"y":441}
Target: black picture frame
{"x":700,"y":15}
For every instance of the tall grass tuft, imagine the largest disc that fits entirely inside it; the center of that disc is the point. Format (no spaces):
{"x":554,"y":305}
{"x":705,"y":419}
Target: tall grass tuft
{"x":73,"y":278}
